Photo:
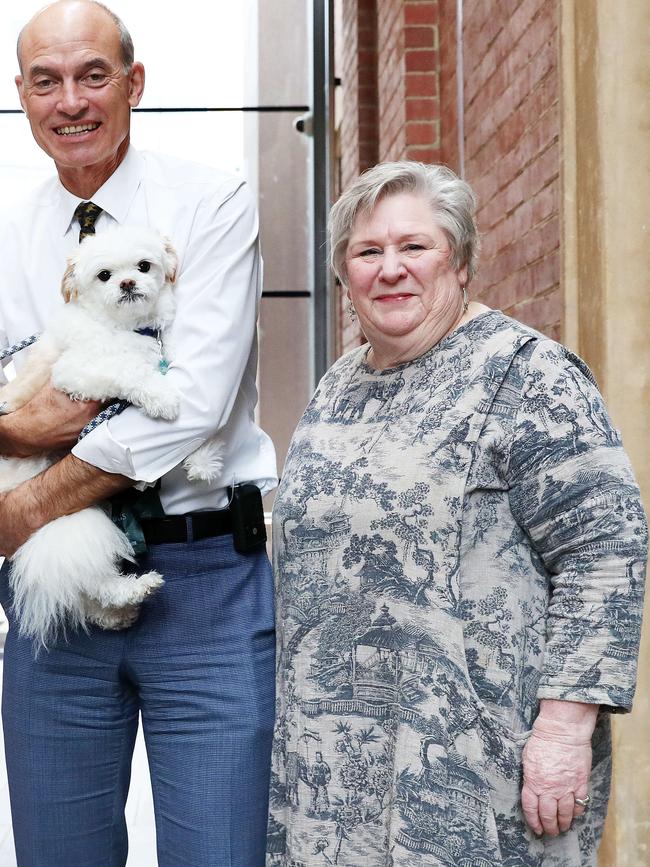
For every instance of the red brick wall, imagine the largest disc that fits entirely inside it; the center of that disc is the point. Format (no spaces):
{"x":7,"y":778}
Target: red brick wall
{"x":390,"y":80}
{"x":422,"y":79}
{"x":390,"y":88}
{"x":511,"y":154}
{"x":408,"y":79}
{"x":511,"y":124}
{"x":448,"y":86}
{"x":358,"y":73}
{"x":358,"y":131}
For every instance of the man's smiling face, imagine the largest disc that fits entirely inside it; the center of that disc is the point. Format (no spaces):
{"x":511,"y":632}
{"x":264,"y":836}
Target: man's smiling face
{"x":75,"y":90}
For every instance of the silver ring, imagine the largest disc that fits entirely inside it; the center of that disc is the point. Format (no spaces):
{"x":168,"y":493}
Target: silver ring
{"x":582,"y":802}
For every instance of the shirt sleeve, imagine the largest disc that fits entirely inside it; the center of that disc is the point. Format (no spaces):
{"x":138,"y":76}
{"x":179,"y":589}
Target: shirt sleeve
{"x":573,"y":491}
{"x":212,"y":340}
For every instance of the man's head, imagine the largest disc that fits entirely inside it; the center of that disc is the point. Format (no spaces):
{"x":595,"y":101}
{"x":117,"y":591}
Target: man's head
{"x":77,"y":85}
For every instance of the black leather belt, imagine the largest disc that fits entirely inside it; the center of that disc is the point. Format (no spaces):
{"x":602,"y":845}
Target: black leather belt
{"x":181,"y":528}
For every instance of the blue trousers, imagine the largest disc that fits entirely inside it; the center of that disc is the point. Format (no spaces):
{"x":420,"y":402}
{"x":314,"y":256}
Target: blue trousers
{"x":199,"y":667}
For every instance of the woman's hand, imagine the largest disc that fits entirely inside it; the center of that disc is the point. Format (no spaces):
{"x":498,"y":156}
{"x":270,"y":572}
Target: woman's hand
{"x":557,"y":764}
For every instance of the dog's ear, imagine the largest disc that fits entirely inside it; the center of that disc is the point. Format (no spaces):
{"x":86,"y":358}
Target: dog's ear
{"x":170,"y":260}
{"x":69,"y":283}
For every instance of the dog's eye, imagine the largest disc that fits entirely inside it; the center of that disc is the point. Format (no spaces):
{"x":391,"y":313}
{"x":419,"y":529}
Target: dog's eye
{"x":104,"y":276}
{"x":144,"y":266}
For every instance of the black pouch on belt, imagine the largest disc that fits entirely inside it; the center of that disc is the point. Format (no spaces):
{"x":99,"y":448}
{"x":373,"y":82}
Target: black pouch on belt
{"x":247,"y":512}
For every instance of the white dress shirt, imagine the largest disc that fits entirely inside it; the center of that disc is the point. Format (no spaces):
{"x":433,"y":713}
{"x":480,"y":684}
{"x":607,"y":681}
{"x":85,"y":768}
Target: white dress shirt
{"x":212,"y":222}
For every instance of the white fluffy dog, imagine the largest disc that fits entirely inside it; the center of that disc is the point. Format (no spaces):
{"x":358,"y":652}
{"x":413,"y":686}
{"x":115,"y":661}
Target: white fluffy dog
{"x":67,"y":573}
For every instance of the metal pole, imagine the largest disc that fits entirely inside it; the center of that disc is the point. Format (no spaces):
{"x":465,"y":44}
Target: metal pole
{"x":460,"y":88}
{"x":322,"y":53}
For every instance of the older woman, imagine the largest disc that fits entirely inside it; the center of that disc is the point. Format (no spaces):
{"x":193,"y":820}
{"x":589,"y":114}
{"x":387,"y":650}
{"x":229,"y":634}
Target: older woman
{"x":460,"y":551}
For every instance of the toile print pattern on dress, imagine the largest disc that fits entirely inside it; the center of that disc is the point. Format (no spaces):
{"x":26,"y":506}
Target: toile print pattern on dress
{"x":454,"y":539}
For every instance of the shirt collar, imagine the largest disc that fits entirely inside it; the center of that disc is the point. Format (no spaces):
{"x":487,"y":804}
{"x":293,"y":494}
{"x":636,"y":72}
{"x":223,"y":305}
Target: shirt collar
{"x":114,"y":196}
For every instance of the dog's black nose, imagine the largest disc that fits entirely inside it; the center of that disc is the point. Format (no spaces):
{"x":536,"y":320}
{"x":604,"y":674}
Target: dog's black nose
{"x":127,"y":285}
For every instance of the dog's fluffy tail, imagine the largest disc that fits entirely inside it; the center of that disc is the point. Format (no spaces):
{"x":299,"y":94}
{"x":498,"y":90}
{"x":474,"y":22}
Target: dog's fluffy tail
{"x":53,"y":570}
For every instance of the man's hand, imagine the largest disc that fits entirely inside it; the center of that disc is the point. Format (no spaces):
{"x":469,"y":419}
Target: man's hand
{"x":64,"y":488}
{"x":49,"y":422}
{"x":557,"y":764}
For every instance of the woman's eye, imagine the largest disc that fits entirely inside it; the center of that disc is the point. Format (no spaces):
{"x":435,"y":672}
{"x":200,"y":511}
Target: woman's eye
{"x":370,"y":252}
{"x":104,"y":276}
{"x":413,"y":248}
{"x":144,"y":266}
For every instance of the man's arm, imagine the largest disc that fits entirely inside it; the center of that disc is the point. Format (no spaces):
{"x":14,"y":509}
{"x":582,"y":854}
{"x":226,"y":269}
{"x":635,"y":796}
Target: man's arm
{"x":212,"y":339}
{"x":214,"y":330}
{"x":64,"y":488}
{"x":50,"y":422}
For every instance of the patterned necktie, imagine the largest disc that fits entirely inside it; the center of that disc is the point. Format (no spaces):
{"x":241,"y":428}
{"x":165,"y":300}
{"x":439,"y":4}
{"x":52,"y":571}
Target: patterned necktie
{"x":86,"y":213}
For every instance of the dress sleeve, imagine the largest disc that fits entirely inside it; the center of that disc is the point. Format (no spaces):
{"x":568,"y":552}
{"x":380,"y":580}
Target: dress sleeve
{"x":572,"y":490}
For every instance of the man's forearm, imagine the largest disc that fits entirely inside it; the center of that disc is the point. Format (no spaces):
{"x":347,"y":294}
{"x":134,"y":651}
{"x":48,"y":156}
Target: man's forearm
{"x":71,"y":485}
{"x":64,"y":488}
{"x":11,"y":442}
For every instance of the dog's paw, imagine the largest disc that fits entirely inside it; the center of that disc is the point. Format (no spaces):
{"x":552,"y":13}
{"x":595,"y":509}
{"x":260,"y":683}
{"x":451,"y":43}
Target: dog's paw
{"x":149,"y":582}
{"x":115,"y":618}
{"x":162,"y":405}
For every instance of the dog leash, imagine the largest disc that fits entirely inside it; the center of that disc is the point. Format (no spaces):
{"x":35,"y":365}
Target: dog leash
{"x":110,"y":411}
{"x":16,"y":347}
{"x":104,"y":415}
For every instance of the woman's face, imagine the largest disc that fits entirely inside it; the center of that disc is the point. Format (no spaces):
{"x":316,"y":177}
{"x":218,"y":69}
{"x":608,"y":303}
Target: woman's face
{"x":406,"y":294}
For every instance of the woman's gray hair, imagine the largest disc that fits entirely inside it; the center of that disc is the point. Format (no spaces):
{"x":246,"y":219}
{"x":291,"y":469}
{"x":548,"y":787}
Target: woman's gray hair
{"x":452,"y":202}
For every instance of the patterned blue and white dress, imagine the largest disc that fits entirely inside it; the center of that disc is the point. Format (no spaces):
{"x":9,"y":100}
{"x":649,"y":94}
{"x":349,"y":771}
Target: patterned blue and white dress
{"x":454,"y":539}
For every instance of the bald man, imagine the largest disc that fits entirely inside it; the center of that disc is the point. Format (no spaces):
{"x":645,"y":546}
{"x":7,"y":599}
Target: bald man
{"x":197,"y":667}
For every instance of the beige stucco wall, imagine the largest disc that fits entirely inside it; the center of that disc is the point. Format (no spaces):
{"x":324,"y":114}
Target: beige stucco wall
{"x":605,"y":63}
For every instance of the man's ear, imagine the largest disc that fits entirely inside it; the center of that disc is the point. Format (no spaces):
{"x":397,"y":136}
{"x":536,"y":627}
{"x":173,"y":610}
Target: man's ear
{"x":69,"y":288}
{"x":20,"y":86}
{"x":170,"y":261}
{"x":136,"y":84}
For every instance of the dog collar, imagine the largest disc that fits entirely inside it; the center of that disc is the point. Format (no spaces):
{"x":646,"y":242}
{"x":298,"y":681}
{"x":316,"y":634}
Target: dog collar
{"x":148,"y":332}
{"x":163,"y":364}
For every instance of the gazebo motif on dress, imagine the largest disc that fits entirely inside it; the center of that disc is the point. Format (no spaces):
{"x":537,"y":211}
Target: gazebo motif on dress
{"x":313,"y":540}
{"x":388,"y":658}
{"x":446,"y":780}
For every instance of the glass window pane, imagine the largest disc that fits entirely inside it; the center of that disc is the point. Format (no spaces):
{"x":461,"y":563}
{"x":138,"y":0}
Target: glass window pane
{"x":22,"y":163}
{"x":284,"y":167}
{"x":283,"y":177}
{"x":201,"y":53}
{"x":194,"y":54}
{"x":284,"y":52}
{"x":211,"y":138}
